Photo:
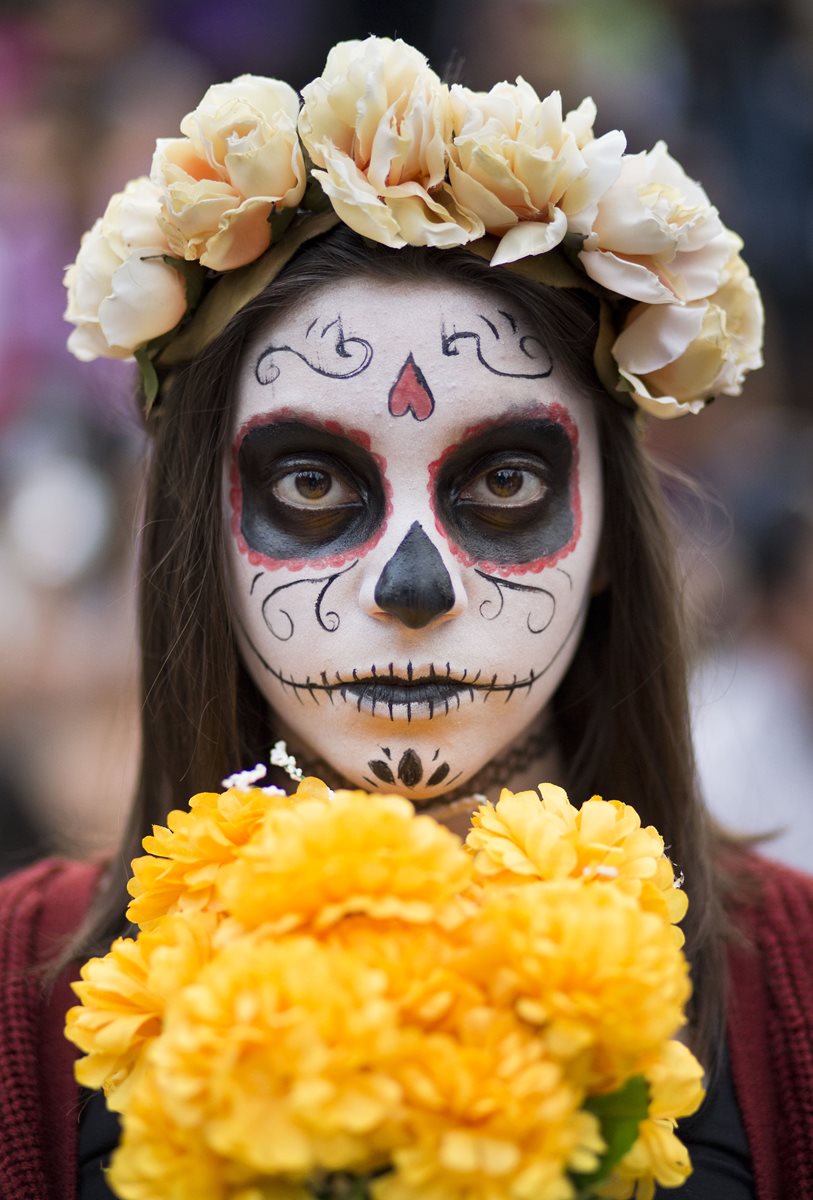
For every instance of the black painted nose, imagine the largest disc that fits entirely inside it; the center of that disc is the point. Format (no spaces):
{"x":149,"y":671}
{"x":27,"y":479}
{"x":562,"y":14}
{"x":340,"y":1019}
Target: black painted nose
{"x":415,"y":585}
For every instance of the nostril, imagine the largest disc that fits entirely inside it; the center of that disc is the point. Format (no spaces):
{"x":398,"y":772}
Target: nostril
{"x":415,"y":586}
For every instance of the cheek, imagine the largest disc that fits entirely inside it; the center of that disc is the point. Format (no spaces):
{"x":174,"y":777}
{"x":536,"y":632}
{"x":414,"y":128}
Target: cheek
{"x":504,"y":552}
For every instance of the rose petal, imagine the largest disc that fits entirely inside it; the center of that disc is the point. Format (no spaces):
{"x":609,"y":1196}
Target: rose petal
{"x":244,"y":234}
{"x":530,"y":238}
{"x":356,"y":203}
{"x":631,"y":279}
{"x":657,"y":335}
{"x":147,"y":298}
{"x":602,"y":159}
{"x":495,"y":215}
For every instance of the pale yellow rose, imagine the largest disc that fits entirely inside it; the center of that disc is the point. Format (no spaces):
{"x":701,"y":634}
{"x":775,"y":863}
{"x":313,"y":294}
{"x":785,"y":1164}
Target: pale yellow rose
{"x":377,"y":125}
{"x":239,"y":161}
{"x":656,"y":237}
{"x":530,"y":174}
{"x":676,"y":357}
{"x":121,"y":293}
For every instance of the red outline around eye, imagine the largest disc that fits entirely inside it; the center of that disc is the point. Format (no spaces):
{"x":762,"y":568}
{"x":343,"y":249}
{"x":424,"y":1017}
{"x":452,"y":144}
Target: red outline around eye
{"x":561,"y":416}
{"x":255,"y":557}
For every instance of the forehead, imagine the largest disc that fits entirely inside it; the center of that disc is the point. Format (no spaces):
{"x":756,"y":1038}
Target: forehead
{"x":437,"y":355}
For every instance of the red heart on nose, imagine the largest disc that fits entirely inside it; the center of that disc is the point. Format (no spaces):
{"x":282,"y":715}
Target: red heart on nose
{"x":411,"y":393}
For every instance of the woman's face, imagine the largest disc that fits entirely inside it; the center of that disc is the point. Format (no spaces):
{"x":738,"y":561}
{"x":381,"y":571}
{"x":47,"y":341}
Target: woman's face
{"x":414,"y":510}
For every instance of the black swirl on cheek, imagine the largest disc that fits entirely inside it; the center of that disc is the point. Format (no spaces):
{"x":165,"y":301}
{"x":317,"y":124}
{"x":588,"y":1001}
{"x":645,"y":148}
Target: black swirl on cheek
{"x":329,"y":353}
{"x":537,"y":620}
{"x":279,"y":621}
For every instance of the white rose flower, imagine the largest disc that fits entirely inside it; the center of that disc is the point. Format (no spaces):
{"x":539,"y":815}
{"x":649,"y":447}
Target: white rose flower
{"x":121,"y":293}
{"x":529,"y":174}
{"x":676,"y":357}
{"x":656,"y":237}
{"x":239,"y":161}
{"x":377,"y":125}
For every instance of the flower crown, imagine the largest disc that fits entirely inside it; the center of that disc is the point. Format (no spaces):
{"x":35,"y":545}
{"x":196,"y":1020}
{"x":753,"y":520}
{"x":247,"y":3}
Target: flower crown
{"x":379,"y":143}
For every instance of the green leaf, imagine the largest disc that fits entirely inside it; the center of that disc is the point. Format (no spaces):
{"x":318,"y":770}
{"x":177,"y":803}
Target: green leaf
{"x":193,"y":275}
{"x":315,"y":198}
{"x":279,"y":220}
{"x":619,"y":1114}
{"x":149,"y":378}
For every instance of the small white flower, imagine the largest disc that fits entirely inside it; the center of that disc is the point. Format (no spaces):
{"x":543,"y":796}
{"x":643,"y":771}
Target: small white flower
{"x":245,"y":779}
{"x":281,"y":758}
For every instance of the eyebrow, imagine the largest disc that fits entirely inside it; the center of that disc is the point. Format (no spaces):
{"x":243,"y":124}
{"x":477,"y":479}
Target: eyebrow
{"x":302,"y":419}
{"x":554,"y":414}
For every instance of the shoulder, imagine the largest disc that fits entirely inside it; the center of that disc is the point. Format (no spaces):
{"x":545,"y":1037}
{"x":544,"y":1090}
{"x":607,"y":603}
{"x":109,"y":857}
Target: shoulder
{"x":770,"y":899}
{"x":770,"y":1019}
{"x":41,"y":905}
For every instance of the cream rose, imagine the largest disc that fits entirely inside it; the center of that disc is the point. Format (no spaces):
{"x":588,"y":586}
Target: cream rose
{"x":377,"y":125}
{"x":121,"y":293}
{"x":239,"y":161}
{"x":530,"y":174}
{"x":676,"y":357}
{"x":656,"y":237}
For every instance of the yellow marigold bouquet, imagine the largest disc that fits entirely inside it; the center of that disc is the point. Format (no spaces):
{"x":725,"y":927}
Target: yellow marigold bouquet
{"x":332,"y":996}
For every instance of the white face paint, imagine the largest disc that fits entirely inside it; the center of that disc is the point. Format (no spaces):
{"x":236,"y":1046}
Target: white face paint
{"x":414,"y":507}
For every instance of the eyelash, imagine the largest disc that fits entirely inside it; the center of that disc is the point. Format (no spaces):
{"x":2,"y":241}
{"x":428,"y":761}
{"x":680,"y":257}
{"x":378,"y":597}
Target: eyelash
{"x":533,"y":470}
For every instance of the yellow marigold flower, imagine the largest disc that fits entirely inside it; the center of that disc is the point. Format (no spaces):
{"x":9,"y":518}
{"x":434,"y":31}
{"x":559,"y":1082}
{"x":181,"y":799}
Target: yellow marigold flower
{"x":421,"y":965}
{"x":184,"y":858}
{"x":657,"y":1157}
{"x":313,"y":863}
{"x":525,"y":837}
{"x":490,"y":1118}
{"x":124,"y":996}
{"x":279,"y":1052}
{"x":602,"y":980}
{"x":675,"y":1079}
{"x":158,"y":1157}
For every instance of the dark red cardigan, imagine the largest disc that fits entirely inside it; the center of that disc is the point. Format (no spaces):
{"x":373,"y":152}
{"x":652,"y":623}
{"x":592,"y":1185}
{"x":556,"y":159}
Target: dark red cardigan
{"x":770,"y":1032}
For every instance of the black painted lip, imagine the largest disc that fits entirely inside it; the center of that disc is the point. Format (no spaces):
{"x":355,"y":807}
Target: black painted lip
{"x":393,"y":691}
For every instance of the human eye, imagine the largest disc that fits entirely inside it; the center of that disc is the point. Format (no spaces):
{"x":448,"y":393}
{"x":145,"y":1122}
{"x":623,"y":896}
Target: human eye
{"x":504,"y":489}
{"x":509,"y":484}
{"x":313,"y":484}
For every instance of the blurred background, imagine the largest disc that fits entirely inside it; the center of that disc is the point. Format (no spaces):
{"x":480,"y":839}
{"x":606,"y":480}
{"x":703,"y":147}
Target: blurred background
{"x":85,"y":88}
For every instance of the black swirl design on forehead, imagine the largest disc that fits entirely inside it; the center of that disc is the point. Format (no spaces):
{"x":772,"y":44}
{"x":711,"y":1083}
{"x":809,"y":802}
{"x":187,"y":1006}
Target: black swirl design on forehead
{"x":494,"y":347}
{"x":331,"y":353}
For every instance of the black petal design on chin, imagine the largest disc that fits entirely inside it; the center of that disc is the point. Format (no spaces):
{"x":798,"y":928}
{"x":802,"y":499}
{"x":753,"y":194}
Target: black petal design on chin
{"x":438,"y":775}
{"x":381,"y":770}
{"x":410,"y":769}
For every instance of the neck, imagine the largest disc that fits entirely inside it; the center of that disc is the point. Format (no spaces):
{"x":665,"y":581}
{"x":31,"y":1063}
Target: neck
{"x":532,"y":758}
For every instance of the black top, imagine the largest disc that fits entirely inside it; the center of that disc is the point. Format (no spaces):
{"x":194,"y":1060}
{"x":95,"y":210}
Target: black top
{"x":715,"y":1137}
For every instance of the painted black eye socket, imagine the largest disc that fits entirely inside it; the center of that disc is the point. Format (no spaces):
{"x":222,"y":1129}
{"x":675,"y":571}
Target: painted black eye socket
{"x":505,"y":496}
{"x":306,"y":492}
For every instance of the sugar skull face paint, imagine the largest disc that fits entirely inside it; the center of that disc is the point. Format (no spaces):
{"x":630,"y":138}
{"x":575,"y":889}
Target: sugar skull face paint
{"x":414,"y":506}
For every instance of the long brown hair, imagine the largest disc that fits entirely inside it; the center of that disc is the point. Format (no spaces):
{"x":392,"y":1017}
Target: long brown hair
{"x":621,"y":710}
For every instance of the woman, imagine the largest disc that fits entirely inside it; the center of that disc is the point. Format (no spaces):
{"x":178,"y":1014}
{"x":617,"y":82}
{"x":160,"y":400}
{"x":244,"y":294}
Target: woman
{"x":395,"y":518}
